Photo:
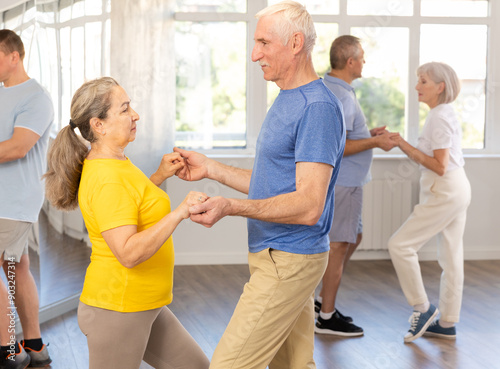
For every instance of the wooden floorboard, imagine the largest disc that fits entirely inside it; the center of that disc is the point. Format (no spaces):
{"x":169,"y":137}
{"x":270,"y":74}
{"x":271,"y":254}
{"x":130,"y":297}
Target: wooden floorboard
{"x":205,"y":296}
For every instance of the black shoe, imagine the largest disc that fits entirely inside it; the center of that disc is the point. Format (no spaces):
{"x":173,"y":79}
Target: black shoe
{"x":337,"y":326}
{"x":317,"y":309}
{"x":20,"y":360}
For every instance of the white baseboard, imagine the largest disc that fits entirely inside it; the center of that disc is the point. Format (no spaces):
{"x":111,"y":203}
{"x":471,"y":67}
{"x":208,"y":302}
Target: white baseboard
{"x":242,"y":258}
{"x":53,"y":310}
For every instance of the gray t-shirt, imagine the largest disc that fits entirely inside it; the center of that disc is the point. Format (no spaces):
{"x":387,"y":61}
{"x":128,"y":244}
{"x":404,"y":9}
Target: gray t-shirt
{"x":355,"y":169}
{"x":27,"y":105}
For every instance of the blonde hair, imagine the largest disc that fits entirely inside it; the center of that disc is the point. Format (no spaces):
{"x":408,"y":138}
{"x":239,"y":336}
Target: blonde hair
{"x":294,"y":18}
{"x":441,"y":72}
{"x":68,"y":151}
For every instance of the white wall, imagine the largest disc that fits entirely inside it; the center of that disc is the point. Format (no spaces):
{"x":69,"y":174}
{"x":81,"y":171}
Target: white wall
{"x":226,"y":242}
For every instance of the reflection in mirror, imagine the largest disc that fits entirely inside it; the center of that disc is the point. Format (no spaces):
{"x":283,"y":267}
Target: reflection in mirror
{"x":63,"y":262}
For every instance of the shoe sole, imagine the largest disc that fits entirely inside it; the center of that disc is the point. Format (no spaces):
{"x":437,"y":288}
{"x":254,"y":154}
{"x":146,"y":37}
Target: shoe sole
{"x":337,"y":333}
{"x":439,"y":335}
{"x":424,"y":328}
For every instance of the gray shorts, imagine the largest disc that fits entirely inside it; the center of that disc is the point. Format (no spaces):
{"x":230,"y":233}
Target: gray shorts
{"x":14,"y":235}
{"x":347,"y":223}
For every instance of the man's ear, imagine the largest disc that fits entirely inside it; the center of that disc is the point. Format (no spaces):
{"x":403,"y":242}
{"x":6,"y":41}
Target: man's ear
{"x":14,"y":57}
{"x":297,"y":41}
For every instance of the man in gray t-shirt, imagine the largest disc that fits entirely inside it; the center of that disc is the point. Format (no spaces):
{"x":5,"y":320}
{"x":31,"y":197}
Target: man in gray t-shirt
{"x":347,"y":60}
{"x":26,"y":114}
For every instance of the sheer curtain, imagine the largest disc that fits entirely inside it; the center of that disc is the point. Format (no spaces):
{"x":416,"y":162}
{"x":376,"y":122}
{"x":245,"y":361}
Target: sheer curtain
{"x":142,"y":61}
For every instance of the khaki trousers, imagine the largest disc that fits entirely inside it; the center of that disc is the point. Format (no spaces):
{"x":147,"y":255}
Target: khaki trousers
{"x":273,"y":322}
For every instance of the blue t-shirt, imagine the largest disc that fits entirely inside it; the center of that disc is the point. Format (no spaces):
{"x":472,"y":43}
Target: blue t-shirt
{"x":27,"y":105}
{"x":304,"y":124}
{"x":355,"y":170}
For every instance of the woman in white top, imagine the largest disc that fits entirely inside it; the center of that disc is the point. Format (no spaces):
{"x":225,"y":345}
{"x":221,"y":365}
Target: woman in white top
{"x":444,"y":197}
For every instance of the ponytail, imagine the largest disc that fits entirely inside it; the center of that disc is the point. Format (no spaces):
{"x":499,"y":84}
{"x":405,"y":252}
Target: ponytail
{"x":65,"y":163}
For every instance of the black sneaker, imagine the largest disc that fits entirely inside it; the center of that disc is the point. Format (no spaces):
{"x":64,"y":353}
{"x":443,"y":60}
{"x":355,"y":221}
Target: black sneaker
{"x":337,"y":326}
{"x":317,"y":309}
{"x":20,"y":360}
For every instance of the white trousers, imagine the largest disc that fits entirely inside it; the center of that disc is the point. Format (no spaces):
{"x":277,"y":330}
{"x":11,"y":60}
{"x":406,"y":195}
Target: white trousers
{"x":441,"y":211}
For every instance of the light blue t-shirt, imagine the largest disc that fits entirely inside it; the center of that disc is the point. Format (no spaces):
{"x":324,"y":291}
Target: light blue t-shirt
{"x":355,"y":170}
{"x":26,"y":105}
{"x":303,"y":125}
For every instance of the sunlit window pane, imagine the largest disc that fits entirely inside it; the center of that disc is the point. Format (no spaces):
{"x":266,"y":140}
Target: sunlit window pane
{"x":93,"y":36}
{"x":317,"y":6}
{"x":464,"y":48}
{"x":454,"y":8}
{"x":65,"y":10}
{"x":211,"y":6}
{"x":380,"y":7}
{"x":78,"y":9}
{"x":211,"y":84}
{"x":77,"y":58}
{"x":93,"y":7}
{"x":66,"y":92}
{"x":383,"y":88}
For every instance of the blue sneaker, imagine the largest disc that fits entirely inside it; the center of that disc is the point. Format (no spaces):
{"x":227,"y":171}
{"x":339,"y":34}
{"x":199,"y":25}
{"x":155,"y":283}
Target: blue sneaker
{"x":435,"y":330}
{"x":419,"y":323}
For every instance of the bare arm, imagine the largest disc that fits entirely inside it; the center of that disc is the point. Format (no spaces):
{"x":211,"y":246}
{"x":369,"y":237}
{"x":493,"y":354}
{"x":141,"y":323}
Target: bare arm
{"x":18,"y":145}
{"x":198,"y":166}
{"x":131,"y":248}
{"x":303,"y":206}
{"x":437,"y":163}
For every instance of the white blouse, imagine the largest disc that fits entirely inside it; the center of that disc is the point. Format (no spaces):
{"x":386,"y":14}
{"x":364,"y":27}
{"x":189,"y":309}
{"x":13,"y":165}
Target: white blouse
{"x":442,"y":131}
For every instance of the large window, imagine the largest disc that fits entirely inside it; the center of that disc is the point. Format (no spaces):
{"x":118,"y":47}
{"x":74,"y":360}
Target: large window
{"x":397,"y":37}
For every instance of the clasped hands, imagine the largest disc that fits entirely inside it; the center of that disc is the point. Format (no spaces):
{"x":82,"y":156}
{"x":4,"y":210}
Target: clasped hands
{"x":386,"y":140}
{"x":193,"y":166}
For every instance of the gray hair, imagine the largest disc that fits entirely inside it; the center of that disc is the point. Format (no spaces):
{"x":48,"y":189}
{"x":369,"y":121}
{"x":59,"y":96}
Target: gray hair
{"x":441,"y":72}
{"x":295,"y":18}
{"x":343,"y":48}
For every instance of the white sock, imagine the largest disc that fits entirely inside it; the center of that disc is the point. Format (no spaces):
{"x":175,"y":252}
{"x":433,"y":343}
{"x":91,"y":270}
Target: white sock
{"x":326,"y":316}
{"x":422,"y":307}
{"x":319,"y":299}
{"x":445,"y":324}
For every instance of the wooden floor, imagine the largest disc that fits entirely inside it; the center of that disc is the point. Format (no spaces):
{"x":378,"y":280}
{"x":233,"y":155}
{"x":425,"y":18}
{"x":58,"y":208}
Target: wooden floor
{"x":205,"y":296}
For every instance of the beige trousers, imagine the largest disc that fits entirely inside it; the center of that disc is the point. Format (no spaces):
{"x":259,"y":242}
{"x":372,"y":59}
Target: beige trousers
{"x":441,"y":211}
{"x":273,"y":322}
{"x":122,"y":340}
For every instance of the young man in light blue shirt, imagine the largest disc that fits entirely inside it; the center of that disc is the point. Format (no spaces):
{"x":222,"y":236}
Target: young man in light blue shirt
{"x":26,"y":114}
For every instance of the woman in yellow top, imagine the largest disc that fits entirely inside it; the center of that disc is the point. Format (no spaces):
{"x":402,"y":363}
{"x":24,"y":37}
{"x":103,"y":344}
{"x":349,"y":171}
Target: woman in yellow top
{"x":129,"y":280}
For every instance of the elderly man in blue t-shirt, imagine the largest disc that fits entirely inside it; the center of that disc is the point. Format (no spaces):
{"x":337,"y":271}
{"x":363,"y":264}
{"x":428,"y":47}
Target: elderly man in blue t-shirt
{"x":290,"y":200}
{"x":347,"y":60}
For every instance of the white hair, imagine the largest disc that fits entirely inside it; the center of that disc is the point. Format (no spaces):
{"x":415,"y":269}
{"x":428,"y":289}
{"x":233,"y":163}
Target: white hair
{"x":295,"y":18}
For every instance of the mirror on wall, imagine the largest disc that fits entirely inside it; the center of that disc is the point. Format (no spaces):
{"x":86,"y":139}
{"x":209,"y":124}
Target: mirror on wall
{"x":59,"y":255}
